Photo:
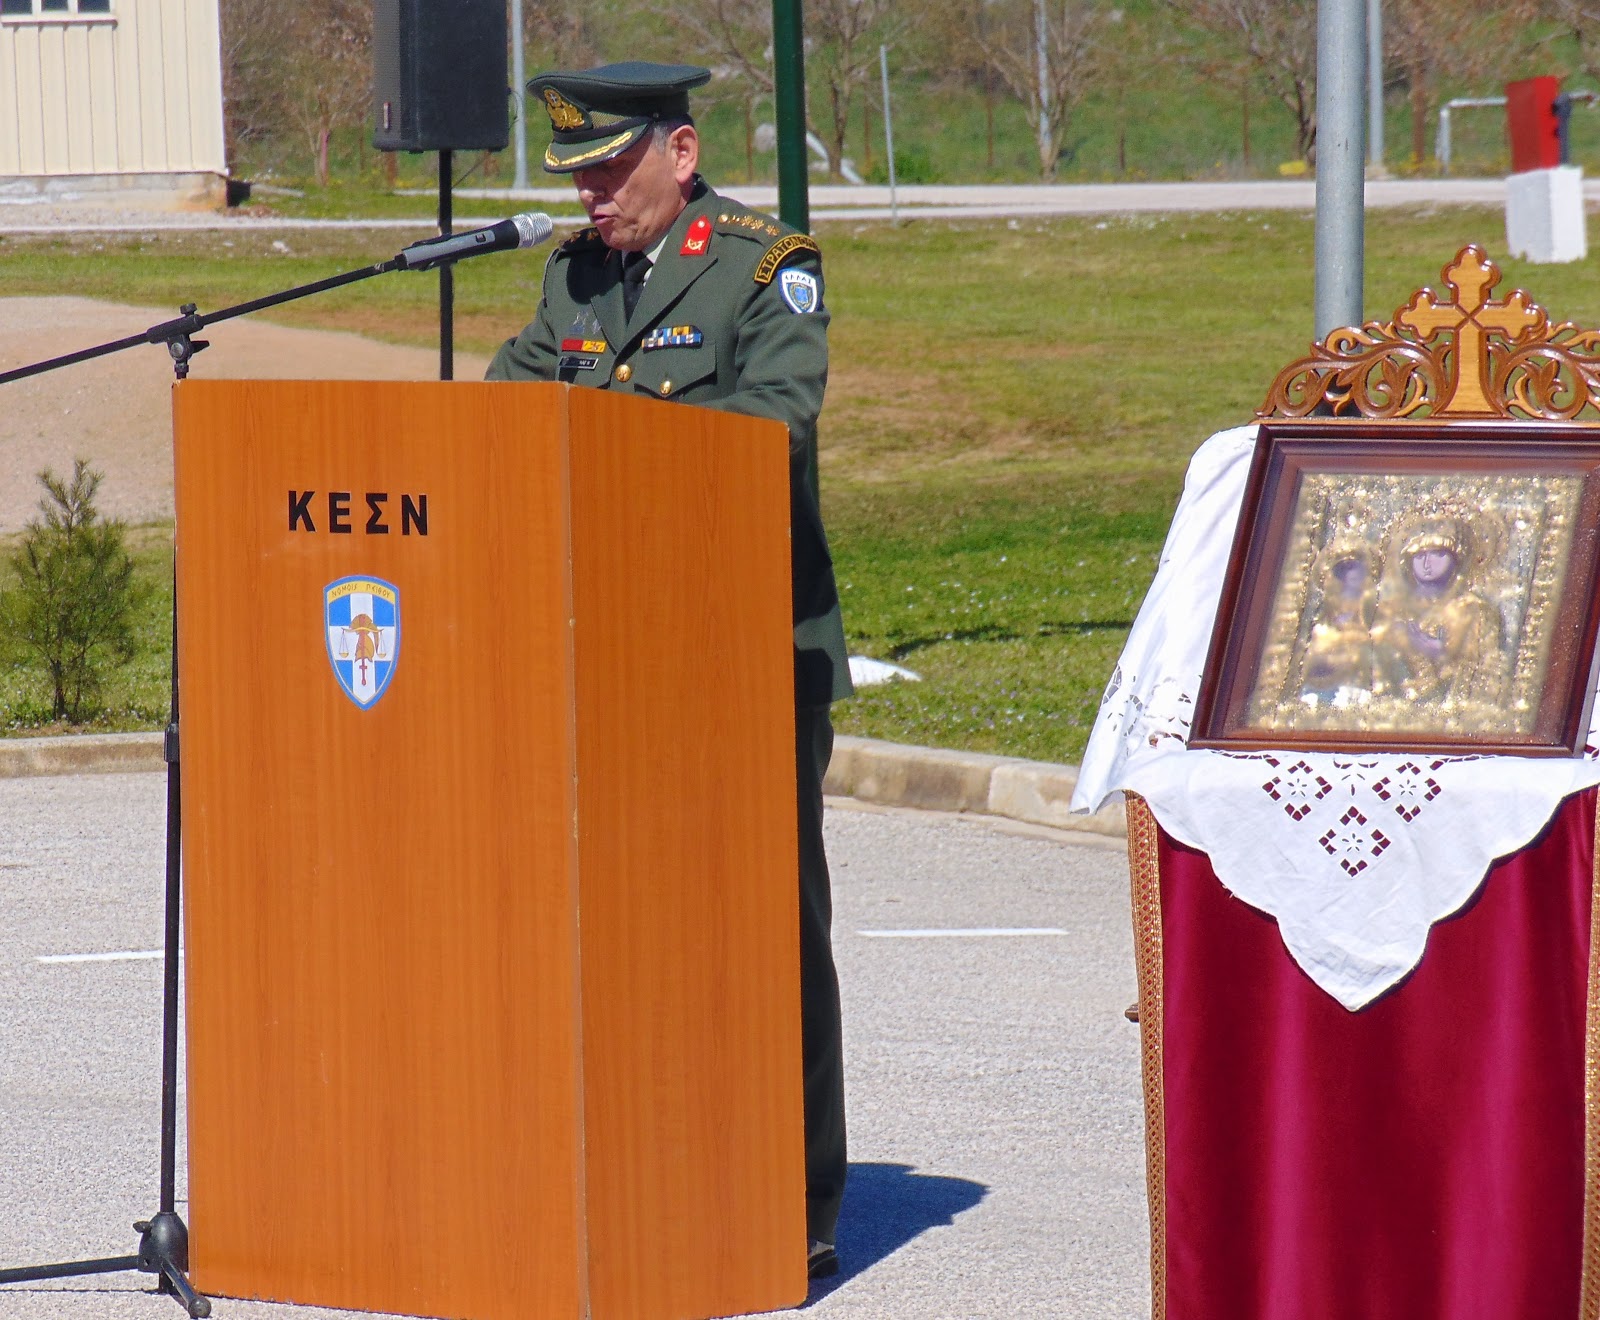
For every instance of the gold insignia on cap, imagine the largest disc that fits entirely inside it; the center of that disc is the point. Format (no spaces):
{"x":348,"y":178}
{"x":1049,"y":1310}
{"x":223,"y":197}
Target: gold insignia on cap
{"x":594,"y":153}
{"x":563,"y":114}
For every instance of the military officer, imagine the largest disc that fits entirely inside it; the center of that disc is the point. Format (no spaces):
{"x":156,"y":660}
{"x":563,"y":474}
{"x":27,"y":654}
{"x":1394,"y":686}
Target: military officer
{"x":679,"y":294}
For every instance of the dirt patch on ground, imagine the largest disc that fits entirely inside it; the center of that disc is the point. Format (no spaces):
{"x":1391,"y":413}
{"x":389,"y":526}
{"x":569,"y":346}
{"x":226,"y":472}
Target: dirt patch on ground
{"x":116,"y":410}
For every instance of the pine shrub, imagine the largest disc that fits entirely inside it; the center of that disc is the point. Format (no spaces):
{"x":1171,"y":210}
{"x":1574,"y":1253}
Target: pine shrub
{"x":71,"y":607}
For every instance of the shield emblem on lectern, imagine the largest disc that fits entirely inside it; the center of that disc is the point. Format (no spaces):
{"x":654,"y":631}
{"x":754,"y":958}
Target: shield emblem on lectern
{"x":363,"y":626}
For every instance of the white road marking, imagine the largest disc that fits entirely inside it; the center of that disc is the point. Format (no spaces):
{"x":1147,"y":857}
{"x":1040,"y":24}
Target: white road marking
{"x":126,"y":955}
{"x":975,"y":932}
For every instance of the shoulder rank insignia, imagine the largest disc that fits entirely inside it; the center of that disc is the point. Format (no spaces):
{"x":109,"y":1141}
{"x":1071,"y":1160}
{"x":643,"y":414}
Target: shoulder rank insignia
{"x":784,"y":247}
{"x":755,"y":224}
{"x":582,"y":239}
{"x":672,"y":336}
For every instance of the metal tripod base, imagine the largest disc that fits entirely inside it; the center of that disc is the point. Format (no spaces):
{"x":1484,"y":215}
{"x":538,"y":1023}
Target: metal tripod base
{"x":163,"y":1251}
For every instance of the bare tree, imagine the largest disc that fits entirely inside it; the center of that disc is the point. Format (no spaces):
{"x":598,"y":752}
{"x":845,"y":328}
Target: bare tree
{"x":1275,"y":38}
{"x":1045,"y":53}
{"x":560,"y":36}
{"x":256,"y":49}
{"x":954,"y":37}
{"x":296,"y":68}
{"x":1430,"y":41}
{"x":1579,"y":19}
{"x":330,"y":84}
{"x":843,"y":37}
{"x":737,"y":36}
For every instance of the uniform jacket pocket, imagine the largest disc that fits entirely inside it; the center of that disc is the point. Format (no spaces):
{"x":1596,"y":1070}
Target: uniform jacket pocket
{"x":675,"y":371}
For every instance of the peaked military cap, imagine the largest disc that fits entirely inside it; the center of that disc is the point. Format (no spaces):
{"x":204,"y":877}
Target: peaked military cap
{"x":596,"y":114}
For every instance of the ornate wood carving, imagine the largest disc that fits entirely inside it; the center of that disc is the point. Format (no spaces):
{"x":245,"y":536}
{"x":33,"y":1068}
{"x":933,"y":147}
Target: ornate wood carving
{"x":1469,"y":355}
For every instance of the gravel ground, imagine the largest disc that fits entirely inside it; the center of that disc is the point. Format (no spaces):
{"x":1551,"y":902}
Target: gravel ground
{"x":115,"y":411}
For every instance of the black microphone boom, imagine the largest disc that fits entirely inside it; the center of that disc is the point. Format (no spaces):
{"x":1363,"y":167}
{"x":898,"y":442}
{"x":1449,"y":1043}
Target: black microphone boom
{"x":178,"y":335}
{"x":520,"y":231}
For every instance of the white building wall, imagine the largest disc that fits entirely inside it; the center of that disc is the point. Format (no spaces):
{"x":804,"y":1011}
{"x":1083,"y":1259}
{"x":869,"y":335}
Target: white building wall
{"x":134,"y":92}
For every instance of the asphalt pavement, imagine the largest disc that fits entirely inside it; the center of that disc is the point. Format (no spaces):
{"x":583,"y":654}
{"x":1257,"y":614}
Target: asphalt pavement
{"x":67,"y":211}
{"x":994,"y":1104}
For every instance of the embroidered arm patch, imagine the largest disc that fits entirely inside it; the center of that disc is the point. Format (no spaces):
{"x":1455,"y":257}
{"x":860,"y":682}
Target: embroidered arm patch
{"x":800,"y":290}
{"x":784,"y":247}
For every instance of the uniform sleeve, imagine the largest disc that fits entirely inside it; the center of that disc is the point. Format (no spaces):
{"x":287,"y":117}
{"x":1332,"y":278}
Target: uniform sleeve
{"x":531,"y":355}
{"x":781,"y":356}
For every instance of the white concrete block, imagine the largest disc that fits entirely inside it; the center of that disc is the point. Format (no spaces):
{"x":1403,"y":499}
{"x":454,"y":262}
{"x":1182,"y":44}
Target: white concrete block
{"x":1544,"y":215}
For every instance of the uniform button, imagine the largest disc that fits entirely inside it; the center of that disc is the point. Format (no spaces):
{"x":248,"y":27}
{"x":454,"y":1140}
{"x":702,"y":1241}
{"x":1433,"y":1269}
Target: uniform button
{"x":666,"y":388}
{"x":624,"y":373}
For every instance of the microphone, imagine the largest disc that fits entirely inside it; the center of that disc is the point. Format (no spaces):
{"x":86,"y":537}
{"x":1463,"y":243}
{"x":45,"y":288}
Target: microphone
{"x":520,"y":231}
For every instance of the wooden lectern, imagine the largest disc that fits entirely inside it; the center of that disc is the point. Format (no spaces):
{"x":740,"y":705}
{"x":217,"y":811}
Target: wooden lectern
{"x":489,"y":839}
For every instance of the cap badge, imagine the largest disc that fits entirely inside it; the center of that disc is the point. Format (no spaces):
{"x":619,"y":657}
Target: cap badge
{"x":563,"y":114}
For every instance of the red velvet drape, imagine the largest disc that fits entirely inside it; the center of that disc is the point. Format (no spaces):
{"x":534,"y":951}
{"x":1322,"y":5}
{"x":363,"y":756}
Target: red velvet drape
{"x":1421,"y":1159}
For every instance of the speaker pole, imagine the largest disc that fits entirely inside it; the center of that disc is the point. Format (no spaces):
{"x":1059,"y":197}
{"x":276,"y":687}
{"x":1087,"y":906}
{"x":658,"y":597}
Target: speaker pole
{"x":447,"y":279}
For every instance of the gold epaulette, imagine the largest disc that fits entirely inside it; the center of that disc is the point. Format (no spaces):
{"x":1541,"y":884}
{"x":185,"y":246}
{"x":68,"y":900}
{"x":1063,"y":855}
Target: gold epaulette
{"x":584,"y":238}
{"x":749,"y":224}
{"x":779,"y":251}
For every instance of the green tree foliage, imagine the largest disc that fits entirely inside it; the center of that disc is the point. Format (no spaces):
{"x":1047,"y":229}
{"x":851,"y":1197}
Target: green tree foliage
{"x":73,"y":601}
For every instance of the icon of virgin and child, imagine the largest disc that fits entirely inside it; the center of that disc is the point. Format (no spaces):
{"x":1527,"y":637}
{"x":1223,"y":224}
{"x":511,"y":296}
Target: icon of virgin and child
{"x":1405,"y":619}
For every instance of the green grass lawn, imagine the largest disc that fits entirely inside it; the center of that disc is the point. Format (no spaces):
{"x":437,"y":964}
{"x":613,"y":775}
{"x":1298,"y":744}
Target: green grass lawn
{"x":1011,"y":408}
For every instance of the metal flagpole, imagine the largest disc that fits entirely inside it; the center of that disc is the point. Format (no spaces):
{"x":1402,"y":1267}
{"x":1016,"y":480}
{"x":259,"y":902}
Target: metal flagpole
{"x":888,"y":134}
{"x":1375,"y":85}
{"x":789,"y":101}
{"x":1341,"y":87}
{"x":519,"y":91}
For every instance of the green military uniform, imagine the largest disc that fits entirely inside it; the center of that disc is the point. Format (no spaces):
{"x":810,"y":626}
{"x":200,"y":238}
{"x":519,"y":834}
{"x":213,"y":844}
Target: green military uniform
{"x":714,"y":326}
{"x":731,"y":316}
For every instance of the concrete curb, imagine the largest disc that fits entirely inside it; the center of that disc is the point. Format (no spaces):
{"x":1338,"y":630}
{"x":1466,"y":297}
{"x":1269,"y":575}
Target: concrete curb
{"x":1034,"y":792}
{"x":82,"y":754}
{"x":887,"y":774}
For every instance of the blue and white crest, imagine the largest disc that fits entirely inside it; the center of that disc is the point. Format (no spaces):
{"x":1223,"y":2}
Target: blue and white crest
{"x":800,"y":290}
{"x":363,"y":619}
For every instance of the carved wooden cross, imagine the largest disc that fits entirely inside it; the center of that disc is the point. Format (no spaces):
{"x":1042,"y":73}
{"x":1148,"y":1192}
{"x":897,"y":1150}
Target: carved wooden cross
{"x":1473,"y":317}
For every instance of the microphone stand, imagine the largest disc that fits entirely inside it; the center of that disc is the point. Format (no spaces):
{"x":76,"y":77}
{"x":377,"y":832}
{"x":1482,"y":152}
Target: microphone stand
{"x":164,"y":1239}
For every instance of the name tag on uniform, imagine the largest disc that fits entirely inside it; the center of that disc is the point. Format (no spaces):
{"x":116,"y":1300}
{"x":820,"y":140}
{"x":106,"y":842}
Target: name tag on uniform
{"x":577,"y":362}
{"x":672,"y":336}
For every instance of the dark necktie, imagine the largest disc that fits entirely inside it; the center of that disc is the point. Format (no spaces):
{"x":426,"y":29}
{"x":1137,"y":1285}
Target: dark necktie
{"x":635,"y":266}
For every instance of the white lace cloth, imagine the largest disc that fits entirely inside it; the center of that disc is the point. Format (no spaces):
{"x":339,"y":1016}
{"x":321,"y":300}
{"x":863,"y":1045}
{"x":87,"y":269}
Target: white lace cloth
{"x":1356,"y":856}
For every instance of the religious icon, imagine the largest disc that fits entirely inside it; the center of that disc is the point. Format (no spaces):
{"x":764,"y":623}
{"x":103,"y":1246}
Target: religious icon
{"x":1336,"y":666}
{"x":1403,"y":586}
{"x":1438,"y":638}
